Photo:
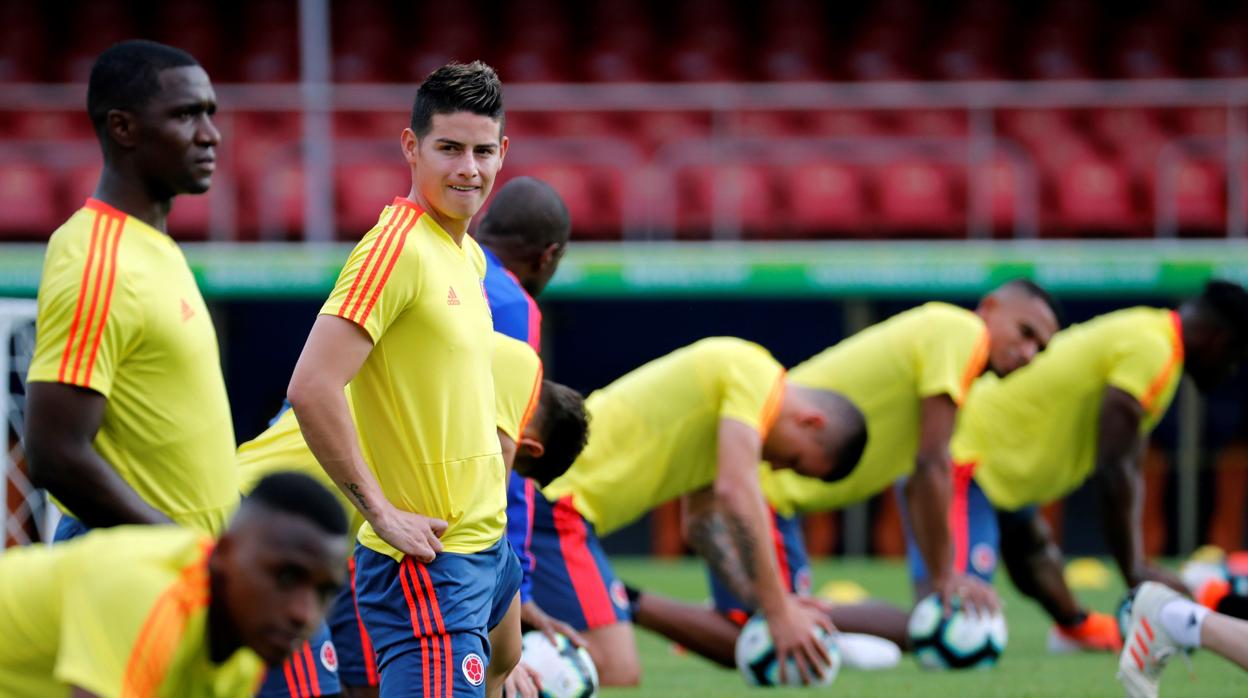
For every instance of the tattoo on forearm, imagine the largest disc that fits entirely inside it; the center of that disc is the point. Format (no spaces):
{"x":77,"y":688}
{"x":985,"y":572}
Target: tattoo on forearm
{"x":354,"y":489}
{"x":727,"y":546}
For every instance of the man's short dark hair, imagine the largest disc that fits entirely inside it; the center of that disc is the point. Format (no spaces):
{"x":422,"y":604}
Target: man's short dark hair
{"x":127,"y":75}
{"x":455,"y":87}
{"x":1226,"y":304}
{"x":565,"y":431}
{"x":302,"y":496}
{"x":528,"y":215}
{"x":1035,"y":290}
{"x":845,"y":418}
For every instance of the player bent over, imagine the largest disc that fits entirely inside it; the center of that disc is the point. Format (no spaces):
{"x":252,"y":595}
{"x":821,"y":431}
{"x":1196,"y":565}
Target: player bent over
{"x":166,"y":610}
{"x":695,"y":422}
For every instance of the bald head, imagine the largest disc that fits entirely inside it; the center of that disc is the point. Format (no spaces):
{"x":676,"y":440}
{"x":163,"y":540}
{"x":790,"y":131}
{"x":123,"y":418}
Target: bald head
{"x":527,"y":226}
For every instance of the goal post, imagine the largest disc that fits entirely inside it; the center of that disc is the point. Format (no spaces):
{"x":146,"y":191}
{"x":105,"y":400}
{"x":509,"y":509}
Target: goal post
{"x":28,"y":517}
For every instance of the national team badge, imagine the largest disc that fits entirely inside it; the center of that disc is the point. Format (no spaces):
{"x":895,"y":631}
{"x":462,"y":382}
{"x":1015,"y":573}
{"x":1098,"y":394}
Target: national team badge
{"x":329,"y":657}
{"x":983,"y":558}
{"x":618,"y":595}
{"x":474,"y":669}
{"x":801,"y":582}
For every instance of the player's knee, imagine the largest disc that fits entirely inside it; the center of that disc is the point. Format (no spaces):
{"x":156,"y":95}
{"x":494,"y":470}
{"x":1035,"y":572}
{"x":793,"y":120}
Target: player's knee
{"x":619,"y":671}
{"x":503,"y":660}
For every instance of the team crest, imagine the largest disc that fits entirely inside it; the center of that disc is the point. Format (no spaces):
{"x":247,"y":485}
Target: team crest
{"x":329,"y":657}
{"x":618,"y":596}
{"x":473,"y":668}
{"x":983,"y":558}
{"x":801,"y":582}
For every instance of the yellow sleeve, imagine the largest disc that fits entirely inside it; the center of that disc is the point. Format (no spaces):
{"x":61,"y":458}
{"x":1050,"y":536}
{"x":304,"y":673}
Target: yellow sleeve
{"x":379,"y":281}
{"x":753,"y":386}
{"x":100,"y":624}
{"x":87,"y":321}
{"x":517,"y":384}
{"x":951,"y":354}
{"x":1143,"y":364}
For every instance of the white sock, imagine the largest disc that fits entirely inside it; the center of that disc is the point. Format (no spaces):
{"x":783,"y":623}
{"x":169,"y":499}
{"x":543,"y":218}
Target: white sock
{"x":1182,"y":620}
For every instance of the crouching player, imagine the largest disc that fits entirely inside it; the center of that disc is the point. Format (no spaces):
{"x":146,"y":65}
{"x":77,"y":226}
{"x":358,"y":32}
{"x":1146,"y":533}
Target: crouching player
{"x":165,"y":610}
{"x":907,"y":375}
{"x":694,"y":423}
{"x":541,"y":430}
{"x":1082,"y":410}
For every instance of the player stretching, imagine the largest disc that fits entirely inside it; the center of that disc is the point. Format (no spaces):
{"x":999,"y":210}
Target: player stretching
{"x":165,"y":610}
{"x":542,"y":430}
{"x":1083,"y":410}
{"x":907,"y":375}
{"x":417,"y":450}
{"x":696,"y":422}
{"x":127,"y":417}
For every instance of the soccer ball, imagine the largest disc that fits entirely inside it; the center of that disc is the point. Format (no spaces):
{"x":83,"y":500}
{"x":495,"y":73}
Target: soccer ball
{"x":756,"y":657}
{"x":565,"y":669}
{"x":961,"y":641}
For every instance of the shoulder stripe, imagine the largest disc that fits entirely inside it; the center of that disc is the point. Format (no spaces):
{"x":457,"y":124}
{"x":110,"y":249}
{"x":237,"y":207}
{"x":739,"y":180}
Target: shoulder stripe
{"x":535,"y":397}
{"x":376,"y":265}
{"x":975,"y":366}
{"x":398,"y":249}
{"x":1163,"y":377}
{"x":82,"y":296}
{"x":108,"y":298}
{"x":158,"y":639}
{"x":395,"y":213}
{"x":103,"y":255}
{"x":771,"y":408}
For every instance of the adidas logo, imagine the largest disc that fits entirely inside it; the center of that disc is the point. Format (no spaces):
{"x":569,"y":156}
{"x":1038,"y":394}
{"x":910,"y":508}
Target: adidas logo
{"x":187,"y":311}
{"x":451,"y":298}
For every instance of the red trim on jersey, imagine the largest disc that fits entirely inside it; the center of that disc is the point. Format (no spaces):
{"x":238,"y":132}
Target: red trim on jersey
{"x":535,"y":314}
{"x":587,"y":582}
{"x":1167,"y":372}
{"x":366,"y":642}
{"x":530,"y":494}
{"x":535,"y":397}
{"x":389,"y":267}
{"x":82,"y":295}
{"x":368,"y":258}
{"x":103,"y":208}
{"x":376,"y":255}
{"x":420,"y":626}
{"x":108,"y":299}
{"x":97,"y":278}
{"x":782,"y":554}
{"x":959,"y":513}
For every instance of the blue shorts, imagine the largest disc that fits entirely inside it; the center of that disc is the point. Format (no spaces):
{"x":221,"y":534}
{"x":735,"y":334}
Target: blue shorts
{"x":572,"y":580}
{"x":310,"y":672}
{"x":972,"y":528}
{"x":69,"y":528}
{"x":791,"y":557}
{"x":357,"y":663}
{"x":429,"y":624}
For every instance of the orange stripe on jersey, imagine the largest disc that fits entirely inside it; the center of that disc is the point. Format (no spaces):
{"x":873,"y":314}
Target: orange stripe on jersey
{"x":395,"y":214}
{"x":535,"y":397}
{"x":108,"y":298}
{"x":105,"y":258}
{"x":158,"y":639}
{"x":1164,"y":376}
{"x":771,"y":408}
{"x":407,"y":227}
{"x":82,"y":296}
{"x":975,"y":366}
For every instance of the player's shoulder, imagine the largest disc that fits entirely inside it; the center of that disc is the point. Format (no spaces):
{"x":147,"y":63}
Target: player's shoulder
{"x":943,"y":315}
{"x":513,"y":352}
{"x":1136,"y":323}
{"x":137,"y":556}
{"x":729,"y":347}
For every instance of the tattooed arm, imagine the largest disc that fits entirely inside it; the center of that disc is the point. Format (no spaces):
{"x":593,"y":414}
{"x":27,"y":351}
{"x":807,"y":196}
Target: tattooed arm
{"x":335,"y":351}
{"x":706,"y":531}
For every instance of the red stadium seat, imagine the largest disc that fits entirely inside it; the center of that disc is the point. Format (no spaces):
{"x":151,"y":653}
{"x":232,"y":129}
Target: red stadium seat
{"x":191,"y":216}
{"x":1199,"y":191}
{"x":363,"y":190}
{"x":919,"y":197}
{"x":526,"y":63}
{"x":1203,"y":121}
{"x":1125,"y":127}
{"x":28,"y":199}
{"x":1003,"y":190}
{"x":580,"y":124}
{"x":745,"y":191}
{"x":658,"y":128}
{"x":1036,"y":127}
{"x":932,"y":123}
{"x":279,"y":200}
{"x":591,"y":193}
{"x":840,"y":124}
{"x":828,"y":197}
{"x":754,"y":124}
{"x":1094,"y":196}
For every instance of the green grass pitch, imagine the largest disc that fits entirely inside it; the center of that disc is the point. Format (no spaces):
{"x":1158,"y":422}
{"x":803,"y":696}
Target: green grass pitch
{"x":1025,"y":670}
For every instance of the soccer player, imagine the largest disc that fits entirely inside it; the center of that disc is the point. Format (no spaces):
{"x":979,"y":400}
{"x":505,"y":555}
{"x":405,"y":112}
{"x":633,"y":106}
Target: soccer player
{"x":1083,"y":410}
{"x":907,"y":375}
{"x":127,"y":416}
{"x":416,"y":450}
{"x":1162,"y":623}
{"x":166,"y":610}
{"x":542,"y":432}
{"x":524,"y":234}
{"x":696,"y":422}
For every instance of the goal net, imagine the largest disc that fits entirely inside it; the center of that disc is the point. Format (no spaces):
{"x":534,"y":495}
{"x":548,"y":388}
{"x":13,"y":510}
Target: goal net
{"x":27,"y":514}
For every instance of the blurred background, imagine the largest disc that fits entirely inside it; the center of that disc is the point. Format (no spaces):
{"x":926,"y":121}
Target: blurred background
{"x":787,"y":171}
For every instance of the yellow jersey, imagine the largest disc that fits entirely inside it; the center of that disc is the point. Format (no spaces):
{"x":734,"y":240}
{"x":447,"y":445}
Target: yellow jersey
{"x":119,"y":313}
{"x":1032,"y":436}
{"x":423,"y":401}
{"x":121,"y":611}
{"x":654,"y":432}
{"x":517,"y":373}
{"x":886,"y":370}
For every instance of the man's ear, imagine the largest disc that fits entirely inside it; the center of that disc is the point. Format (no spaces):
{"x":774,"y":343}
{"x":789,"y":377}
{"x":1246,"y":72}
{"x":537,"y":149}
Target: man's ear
{"x":813,"y":419}
{"x":410,"y":145}
{"x":122,"y":127}
{"x":530,"y":447}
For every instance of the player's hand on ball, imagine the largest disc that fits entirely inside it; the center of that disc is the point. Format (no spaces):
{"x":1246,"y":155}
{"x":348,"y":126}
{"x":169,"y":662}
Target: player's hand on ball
{"x":411,"y":533}
{"x":522,"y":682}
{"x":978,"y":597}
{"x":534,"y":617}
{"x":793,"y":634}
